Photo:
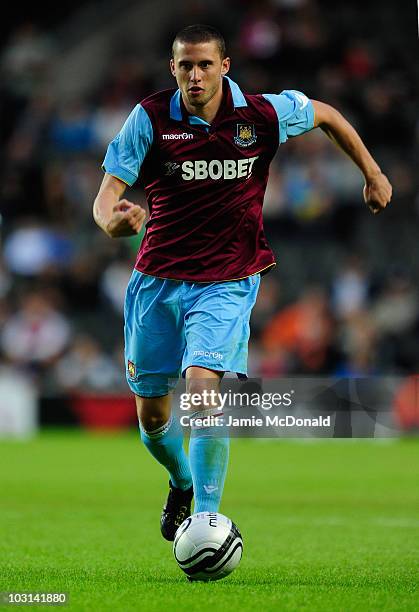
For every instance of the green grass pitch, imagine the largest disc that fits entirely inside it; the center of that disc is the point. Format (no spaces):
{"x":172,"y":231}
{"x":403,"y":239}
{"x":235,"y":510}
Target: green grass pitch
{"x":327,"y":525}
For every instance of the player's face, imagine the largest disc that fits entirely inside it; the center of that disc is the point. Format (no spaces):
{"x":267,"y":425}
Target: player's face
{"x":198,"y":70}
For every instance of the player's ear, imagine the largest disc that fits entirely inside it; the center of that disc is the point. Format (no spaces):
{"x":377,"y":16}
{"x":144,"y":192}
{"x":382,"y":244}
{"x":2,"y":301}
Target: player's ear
{"x":172,"y":67}
{"x":225,"y":66}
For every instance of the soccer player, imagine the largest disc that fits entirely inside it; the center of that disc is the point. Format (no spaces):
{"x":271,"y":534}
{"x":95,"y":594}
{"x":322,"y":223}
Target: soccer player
{"x":202,"y":152}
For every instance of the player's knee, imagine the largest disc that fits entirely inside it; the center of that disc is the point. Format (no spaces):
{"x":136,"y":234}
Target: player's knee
{"x":207,"y":390}
{"x":151,"y":423}
{"x":153,"y":412}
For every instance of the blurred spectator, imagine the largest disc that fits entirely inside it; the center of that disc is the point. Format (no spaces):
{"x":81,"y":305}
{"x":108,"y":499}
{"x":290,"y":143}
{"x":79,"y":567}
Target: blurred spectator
{"x":306,"y":194}
{"x":350,"y":289}
{"x":260,"y":35}
{"x":71,"y":129}
{"x":86,"y":367}
{"x":108,"y":120}
{"x":358,"y":341}
{"x":33,"y":248}
{"x":114,"y":282}
{"x":36,"y":334}
{"x":396,"y":309}
{"x":305,"y":330}
{"x":396,"y":318}
{"x":26,"y":59}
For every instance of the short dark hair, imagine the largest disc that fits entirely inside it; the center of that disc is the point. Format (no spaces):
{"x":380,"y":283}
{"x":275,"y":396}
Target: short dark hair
{"x":198,"y":33}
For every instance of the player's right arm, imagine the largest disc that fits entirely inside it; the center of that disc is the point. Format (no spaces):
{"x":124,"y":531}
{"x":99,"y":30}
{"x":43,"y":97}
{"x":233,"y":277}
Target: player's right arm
{"x":122,"y":164}
{"x":114,"y":216}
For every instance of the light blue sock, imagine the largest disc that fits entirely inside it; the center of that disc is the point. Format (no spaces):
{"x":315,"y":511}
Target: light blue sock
{"x":166,"y":445}
{"x":208,"y":459}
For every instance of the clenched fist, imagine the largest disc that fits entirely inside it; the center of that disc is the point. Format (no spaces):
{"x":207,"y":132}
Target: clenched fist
{"x":377,"y":193}
{"x":127,"y":219}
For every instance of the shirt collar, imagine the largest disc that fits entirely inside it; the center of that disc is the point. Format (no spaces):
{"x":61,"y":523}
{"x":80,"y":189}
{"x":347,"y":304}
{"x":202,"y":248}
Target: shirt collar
{"x":237,"y":96}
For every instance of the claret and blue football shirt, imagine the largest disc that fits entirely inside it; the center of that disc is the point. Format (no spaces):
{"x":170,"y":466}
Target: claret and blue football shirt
{"x":205,"y":183}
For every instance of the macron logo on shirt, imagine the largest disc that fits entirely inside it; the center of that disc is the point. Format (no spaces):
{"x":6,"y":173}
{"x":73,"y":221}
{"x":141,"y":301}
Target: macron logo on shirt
{"x":183,"y":136}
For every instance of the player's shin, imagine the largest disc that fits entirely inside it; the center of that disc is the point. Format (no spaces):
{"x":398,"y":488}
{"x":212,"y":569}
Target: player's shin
{"x":166,"y":445}
{"x":208,"y":458}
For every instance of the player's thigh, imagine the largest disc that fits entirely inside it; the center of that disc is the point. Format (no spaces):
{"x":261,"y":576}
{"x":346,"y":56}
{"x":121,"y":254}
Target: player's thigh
{"x":154,"y":335}
{"x":217,"y":326}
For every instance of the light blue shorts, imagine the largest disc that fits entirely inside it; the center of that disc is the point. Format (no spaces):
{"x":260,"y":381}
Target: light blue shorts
{"x":172,"y":325}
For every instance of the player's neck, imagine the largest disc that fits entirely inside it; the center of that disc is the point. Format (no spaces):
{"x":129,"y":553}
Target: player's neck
{"x":209,"y":111}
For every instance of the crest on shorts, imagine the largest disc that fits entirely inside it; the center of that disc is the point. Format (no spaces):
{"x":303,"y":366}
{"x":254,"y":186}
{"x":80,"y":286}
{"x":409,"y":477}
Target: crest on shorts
{"x":131,"y":369}
{"x":246,"y":134}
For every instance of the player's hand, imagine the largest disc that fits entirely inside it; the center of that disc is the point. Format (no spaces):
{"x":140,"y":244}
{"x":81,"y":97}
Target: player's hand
{"x":377,"y":193}
{"x":127,"y":219}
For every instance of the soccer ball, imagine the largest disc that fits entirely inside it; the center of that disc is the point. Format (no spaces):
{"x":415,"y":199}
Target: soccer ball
{"x":208,"y":546}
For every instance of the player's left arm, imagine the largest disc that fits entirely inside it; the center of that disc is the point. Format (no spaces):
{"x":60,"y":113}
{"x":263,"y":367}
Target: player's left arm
{"x":377,"y":189}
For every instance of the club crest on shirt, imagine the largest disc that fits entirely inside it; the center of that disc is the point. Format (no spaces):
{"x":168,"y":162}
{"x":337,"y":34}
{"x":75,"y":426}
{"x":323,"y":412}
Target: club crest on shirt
{"x":246,"y":135}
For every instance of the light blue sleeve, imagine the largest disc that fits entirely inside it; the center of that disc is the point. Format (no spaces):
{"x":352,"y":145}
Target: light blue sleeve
{"x":127,"y":151}
{"x":295,"y":113}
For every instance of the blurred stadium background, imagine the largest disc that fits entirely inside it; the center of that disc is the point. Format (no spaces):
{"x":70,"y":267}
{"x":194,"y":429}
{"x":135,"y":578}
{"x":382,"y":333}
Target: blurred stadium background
{"x":343,"y":299}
